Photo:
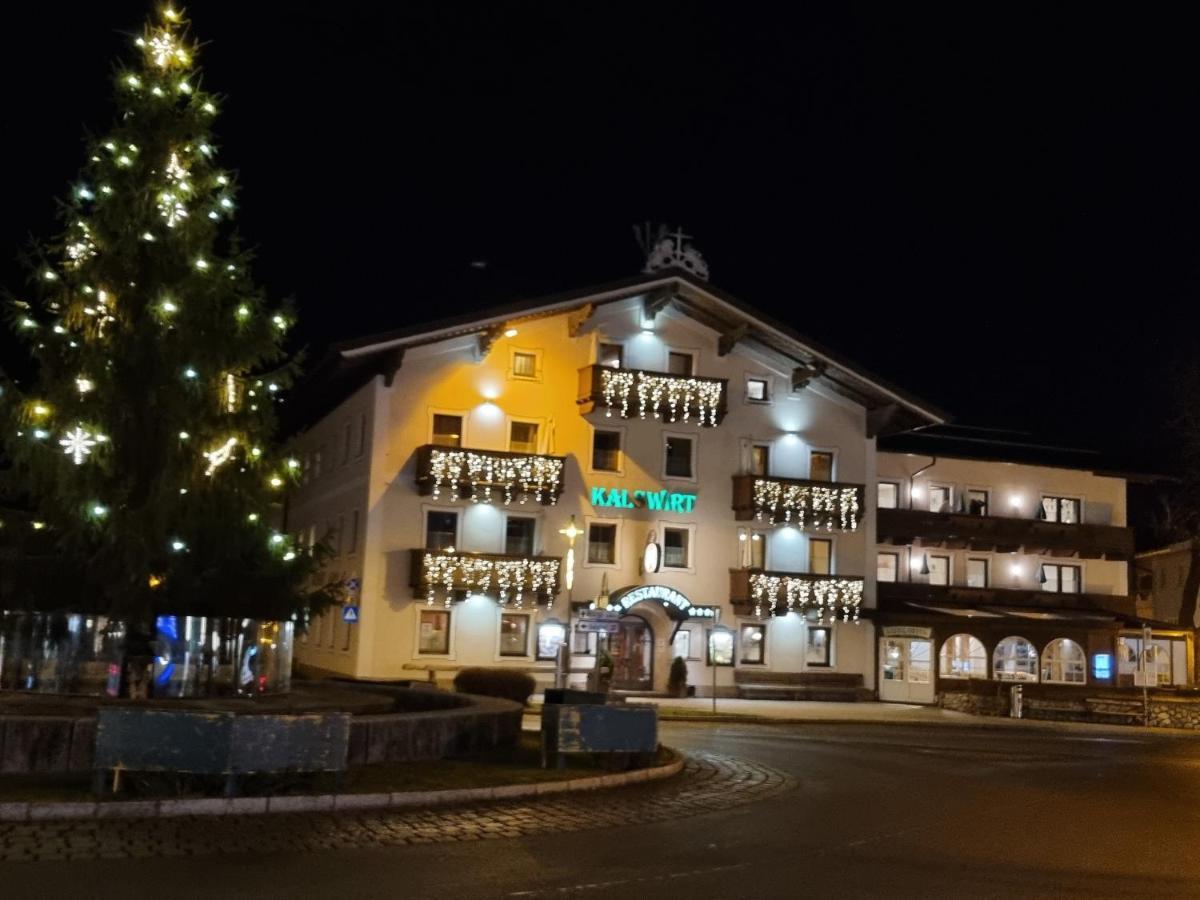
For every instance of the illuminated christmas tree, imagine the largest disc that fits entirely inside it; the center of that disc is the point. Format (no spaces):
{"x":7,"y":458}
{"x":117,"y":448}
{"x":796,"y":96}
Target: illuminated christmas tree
{"x":142,"y":449}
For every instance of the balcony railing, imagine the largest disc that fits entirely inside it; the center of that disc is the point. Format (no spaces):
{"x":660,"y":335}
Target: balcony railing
{"x":485,"y":475}
{"x":765,"y":593}
{"x":1003,"y":534}
{"x":814,"y":505}
{"x":672,"y":398}
{"x":896,"y":595}
{"x":510,"y":579}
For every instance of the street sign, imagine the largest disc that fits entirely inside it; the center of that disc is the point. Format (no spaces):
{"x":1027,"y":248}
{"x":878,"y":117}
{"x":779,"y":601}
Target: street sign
{"x":599,"y":614}
{"x":352,"y":585}
{"x":350,"y":614}
{"x":598,"y":626}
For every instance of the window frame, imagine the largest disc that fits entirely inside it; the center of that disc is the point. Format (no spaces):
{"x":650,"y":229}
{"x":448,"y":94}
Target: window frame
{"x":588,"y":522}
{"x":930,"y":487}
{"x":762,"y":644}
{"x":894,"y":554}
{"x":708,"y":657}
{"x":503,"y":614}
{"x":693,"y":355}
{"x":746,"y":542}
{"x":695,"y":455}
{"x":1044,"y":661}
{"x":949,"y":557}
{"x":767,"y":390}
{"x":540,"y":434}
{"x":463,"y":418}
{"x":448,"y":653}
{"x":833,"y":463}
{"x":600,"y":345}
{"x":1037,"y":661}
{"x":987,"y":500}
{"x":1077,"y":566}
{"x":690,"y":530}
{"x":682,"y":633}
{"x":810,"y":627}
{"x":537,"y":639}
{"x":621,"y":433}
{"x":808,"y":553}
{"x":1059,"y":498}
{"x":533,"y":538}
{"x":765,"y":446}
{"x":426,"y":509}
{"x":987,"y":571}
{"x":893,"y":484}
{"x":983,"y":655}
{"x":512,"y":364}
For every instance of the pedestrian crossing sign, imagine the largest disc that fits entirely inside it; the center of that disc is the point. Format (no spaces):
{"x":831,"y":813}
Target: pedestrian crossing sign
{"x":350,"y":614}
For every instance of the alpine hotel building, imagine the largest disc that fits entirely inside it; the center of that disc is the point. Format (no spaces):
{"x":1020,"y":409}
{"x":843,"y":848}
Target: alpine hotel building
{"x":654,"y":447}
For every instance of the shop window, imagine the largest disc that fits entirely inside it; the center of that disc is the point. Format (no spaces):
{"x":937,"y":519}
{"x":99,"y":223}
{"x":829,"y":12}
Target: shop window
{"x":818,"y":641}
{"x":939,"y":569}
{"x":524,"y":364}
{"x":977,"y":573}
{"x":523,"y":437}
{"x":760,"y":459}
{"x":606,"y":450}
{"x":1061,"y":509}
{"x":887,"y":495}
{"x":676,"y":548}
{"x":1060,"y":579}
{"x":435,"y":631}
{"x":820,"y":466}
{"x":752,"y":644}
{"x":680,"y":363}
{"x":757,"y":390}
{"x":611,"y":355}
{"x":820,"y":556}
{"x":447,"y":432}
{"x":550,"y":636}
{"x":1015,"y":659}
{"x":514,"y":634}
{"x":441,"y":529}
{"x":963,"y":656}
{"x":682,"y":645}
{"x":939,"y":498}
{"x":887,"y":566}
{"x":977,"y":502}
{"x":602,"y":543}
{"x":720,"y":647}
{"x":679,"y":452}
{"x":1064,"y":662}
{"x":518,"y":535}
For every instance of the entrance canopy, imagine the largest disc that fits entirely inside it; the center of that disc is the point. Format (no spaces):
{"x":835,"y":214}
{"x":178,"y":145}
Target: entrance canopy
{"x":676,"y":605}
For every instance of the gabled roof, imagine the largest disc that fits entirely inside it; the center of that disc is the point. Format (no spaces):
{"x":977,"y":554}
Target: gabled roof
{"x":890,"y":408}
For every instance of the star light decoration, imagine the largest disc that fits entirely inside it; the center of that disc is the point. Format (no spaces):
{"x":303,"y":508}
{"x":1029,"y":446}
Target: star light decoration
{"x":487,"y":574}
{"x":220,"y":456}
{"x":78,"y":444}
{"x":806,"y":505}
{"x":484,"y":473}
{"x":832,"y":598}
{"x":666,"y":396}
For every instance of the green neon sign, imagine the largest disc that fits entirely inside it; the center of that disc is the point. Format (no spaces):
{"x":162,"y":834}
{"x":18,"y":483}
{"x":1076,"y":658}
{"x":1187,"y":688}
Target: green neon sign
{"x":659,"y":501}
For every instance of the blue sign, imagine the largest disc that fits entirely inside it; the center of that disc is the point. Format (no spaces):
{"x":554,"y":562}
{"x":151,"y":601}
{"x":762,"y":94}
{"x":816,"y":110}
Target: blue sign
{"x":350,"y":614}
{"x":1102,"y":666}
{"x":352,"y":585}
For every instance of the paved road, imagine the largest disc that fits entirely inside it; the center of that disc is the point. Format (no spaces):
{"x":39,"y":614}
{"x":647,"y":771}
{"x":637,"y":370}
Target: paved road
{"x":813,"y":811}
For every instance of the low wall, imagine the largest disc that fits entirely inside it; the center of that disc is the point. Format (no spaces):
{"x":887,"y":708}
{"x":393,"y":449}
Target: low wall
{"x":428,"y":725}
{"x":1059,"y":703}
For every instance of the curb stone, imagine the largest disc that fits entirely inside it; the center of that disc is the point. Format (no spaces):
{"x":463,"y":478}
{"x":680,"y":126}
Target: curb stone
{"x":220,"y":806}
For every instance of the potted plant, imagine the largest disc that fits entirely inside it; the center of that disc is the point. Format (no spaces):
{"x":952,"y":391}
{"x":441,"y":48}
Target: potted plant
{"x":677,"y":685}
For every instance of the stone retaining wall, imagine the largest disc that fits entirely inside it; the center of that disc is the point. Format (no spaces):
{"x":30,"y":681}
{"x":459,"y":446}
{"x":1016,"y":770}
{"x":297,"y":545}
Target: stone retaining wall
{"x":442,"y":724}
{"x":1078,"y":704}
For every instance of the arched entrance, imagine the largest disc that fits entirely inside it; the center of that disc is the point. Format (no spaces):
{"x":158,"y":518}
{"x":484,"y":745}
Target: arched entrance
{"x":641,"y":648}
{"x":632,"y":650}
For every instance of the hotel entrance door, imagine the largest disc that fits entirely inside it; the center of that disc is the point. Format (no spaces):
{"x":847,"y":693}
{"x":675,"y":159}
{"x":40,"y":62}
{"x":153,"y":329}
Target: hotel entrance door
{"x":906,"y":669}
{"x":632,"y":649}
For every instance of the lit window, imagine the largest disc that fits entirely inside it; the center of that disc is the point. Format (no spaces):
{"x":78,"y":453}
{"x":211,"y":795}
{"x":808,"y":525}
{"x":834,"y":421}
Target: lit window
{"x":760,"y":459}
{"x":523,"y":437}
{"x":1064,"y":662}
{"x":549,"y":636}
{"x":818,"y":641}
{"x":820,"y":556}
{"x":720,"y":648}
{"x":680,"y":363}
{"x":602,"y":543}
{"x":886,"y":566}
{"x":679,"y":457}
{"x":682,"y":646}
{"x":758,"y":550}
{"x":435,"y":631}
{"x":963,"y":656}
{"x":441,"y":529}
{"x":524,"y":365}
{"x":939,"y":569}
{"x":514,"y":635}
{"x":1061,"y":509}
{"x":447,"y":430}
{"x":675,"y":548}
{"x":888,"y":495}
{"x":518,"y":536}
{"x":611,"y":355}
{"x":1015,"y":659}
{"x":752,"y":644}
{"x":756,"y":390}
{"x":939,"y":498}
{"x":820,"y":466}
{"x":606,"y":451}
{"x":977,"y":573}
{"x":1060,"y":579}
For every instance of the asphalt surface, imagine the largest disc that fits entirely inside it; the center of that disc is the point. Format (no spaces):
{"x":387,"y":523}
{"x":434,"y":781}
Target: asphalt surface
{"x":891,"y":811}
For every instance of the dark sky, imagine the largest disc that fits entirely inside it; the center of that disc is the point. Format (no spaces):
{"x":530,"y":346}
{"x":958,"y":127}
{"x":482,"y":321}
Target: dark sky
{"x":997,"y":208}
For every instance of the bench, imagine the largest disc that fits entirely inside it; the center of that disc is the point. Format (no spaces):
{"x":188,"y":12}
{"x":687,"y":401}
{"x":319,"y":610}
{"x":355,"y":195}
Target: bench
{"x":836,"y":687}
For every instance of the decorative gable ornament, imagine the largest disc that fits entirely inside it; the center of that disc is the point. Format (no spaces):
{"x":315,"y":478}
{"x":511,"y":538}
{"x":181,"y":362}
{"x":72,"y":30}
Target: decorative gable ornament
{"x":667,"y":250}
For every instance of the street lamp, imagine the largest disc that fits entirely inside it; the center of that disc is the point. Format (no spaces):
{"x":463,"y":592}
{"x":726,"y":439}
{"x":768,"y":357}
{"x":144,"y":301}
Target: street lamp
{"x":720,"y":646}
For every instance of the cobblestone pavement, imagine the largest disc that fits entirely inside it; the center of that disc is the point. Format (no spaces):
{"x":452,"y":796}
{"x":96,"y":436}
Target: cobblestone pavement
{"x":708,"y":783}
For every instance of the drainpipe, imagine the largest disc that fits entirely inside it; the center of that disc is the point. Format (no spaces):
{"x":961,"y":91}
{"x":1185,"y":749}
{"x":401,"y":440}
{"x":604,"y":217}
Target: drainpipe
{"x":913,"y":477}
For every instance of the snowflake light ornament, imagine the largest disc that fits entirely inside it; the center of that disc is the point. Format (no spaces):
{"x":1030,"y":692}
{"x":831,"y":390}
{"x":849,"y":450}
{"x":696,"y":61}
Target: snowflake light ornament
{"x":78,"y":444}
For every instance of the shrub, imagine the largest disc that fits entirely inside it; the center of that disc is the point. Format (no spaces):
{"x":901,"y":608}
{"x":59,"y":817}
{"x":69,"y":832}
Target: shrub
{"x":677,"y":679}
{"x":506,"y":683}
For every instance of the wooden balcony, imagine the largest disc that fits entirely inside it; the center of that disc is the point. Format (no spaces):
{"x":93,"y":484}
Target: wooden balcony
{"x":895,"y":595}
{"x":752,"y":591}
{"x":808,"y":505}
{"x":489,"y":475}
{"x":637,"y":392}
{"x":1000,"y":534}
{"x":509,"y":579}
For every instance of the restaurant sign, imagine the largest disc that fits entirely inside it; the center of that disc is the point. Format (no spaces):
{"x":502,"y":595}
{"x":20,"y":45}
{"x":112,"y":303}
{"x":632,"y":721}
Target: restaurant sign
{"x":664,"y":501}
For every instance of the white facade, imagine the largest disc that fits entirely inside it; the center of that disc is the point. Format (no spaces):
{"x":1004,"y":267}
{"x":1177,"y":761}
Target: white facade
{"x":525,"y":371}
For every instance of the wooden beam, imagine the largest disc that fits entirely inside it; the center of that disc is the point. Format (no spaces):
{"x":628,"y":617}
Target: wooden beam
{"x":486,"y":340}
{"x":729,"y":339}
{"x":389,"y":365}
{"x":803,"y":375}
{"x":656,"y":301}
{"x":577,"y":317}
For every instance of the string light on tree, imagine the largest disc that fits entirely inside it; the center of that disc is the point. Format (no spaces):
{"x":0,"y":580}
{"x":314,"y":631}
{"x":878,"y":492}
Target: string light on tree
{"x":220,"y":456}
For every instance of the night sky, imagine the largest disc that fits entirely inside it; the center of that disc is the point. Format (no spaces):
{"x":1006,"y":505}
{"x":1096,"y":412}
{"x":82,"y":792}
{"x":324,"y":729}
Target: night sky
{"x":1000,"y":213}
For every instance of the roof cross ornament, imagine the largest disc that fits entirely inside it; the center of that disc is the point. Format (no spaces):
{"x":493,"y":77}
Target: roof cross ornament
{"x":666,"y":249}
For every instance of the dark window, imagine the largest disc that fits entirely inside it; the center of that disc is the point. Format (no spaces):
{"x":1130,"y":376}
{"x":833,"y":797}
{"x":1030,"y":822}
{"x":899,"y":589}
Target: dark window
{"x":514,"y":635}
{"x":820,"y":466}
{"x":817,"y":644}
{"x":679,"y":457}
{"x":675,"y":548}
{"x":441,"y":529}
{"x":680,"y":363}
{"x":1061,"y":509}
{"x":447,"y":431}
{"x":518,"y":536}
{"x":606,"y":451}
{"x":611,"y":355}
{"x":756,"y":390}
{"x":602,"y":543}
{"x":760,"y":460}
{"x":523,"y":437}
{"x":977,"y":503}
{"x":752,"y":644}
{"x":435,"y":631}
